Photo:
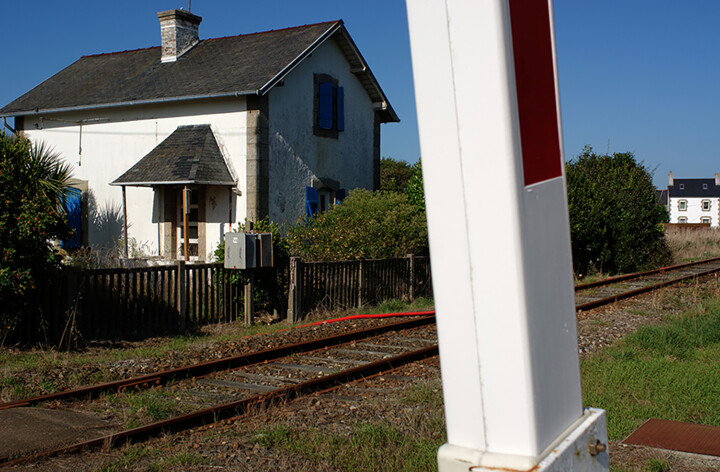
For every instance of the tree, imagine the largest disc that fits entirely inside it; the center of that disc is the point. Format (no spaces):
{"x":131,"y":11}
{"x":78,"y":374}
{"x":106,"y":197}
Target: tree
{"x":366,"y":224}
{"x":615,"y":218}
{"x":33,"y":186}
{"x":270,"y":288}
{"x":394,"y":175}
{"x":415,"y":187}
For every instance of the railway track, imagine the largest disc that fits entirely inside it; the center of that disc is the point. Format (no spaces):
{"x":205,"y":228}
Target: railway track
{"x":239,"y":385}
{"x":604,"y":292}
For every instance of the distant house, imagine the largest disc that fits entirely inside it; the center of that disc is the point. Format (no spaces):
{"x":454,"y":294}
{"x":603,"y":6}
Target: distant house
{"x":205,"y":133}
{"x":694,"y":200}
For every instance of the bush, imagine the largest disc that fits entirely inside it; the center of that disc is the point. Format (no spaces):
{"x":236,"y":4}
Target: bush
{"x":270,"y":289}
{"x":373,"y":225}
{"x":615,"y":217}
{"x":33,"y":184}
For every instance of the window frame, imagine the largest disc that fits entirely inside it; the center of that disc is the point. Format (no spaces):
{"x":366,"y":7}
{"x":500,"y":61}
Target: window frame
{"x":682,"y":220}
{"x":706,"y":220}
{"x":682,"y":205}
{"x":338,"y":107}
{"x":709,"y":205}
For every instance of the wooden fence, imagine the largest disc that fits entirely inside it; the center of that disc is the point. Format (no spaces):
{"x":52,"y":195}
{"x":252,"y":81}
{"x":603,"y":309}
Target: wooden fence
{"x":134,"y":303}
{"x":347,"y":284}
{"x":131,"y":303}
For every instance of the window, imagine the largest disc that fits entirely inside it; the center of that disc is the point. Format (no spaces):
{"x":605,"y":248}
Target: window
{"x":706,"y":205}
{"x":329,"y":109}
{"x":682,"y":220}
{"x":193,"y":219}
{"x":682,"y":186}
{"x":73,"y":206}
{"x":320,"y":200}
{"x":682,"y":205}
{"x":706,"y":221}
{"x":704,"y":186}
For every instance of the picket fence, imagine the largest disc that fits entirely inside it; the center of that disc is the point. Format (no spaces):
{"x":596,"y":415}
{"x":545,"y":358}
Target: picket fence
{"x":135,"y":303}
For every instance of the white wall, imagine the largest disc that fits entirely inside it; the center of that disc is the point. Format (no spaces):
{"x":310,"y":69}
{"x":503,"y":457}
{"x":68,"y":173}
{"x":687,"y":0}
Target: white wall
{"x":296,"y":154}
{"x":694,"y":212}
{"x":113,"y":140}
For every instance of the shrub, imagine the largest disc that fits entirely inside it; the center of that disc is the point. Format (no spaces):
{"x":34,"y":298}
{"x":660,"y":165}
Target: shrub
{"x":615,"y":218}
{"x":270,"y":289}
{"x":33,"y":184}
{"x":367,"y":224}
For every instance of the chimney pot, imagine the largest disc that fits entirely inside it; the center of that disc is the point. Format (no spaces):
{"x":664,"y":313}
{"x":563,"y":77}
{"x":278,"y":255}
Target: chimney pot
{"x":179,"y":33}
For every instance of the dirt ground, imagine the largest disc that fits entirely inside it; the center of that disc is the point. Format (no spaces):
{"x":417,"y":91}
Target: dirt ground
{"x":234,"y":445}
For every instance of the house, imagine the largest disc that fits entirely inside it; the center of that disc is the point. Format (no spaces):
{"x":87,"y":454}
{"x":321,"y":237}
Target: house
{"x":694,"y":200}
{"x":182,"y":140}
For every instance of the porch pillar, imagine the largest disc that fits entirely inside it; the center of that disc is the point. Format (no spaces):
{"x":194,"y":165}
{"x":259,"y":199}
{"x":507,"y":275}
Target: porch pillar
{"x":125,"y":220}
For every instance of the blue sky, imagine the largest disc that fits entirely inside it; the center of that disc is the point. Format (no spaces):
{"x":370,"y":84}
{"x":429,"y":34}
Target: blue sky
{"x":634,"y":75}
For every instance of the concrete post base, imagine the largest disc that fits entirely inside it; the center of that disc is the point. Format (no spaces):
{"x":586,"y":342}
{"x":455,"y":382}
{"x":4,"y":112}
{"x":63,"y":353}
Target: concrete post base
{"x":583,"y":448}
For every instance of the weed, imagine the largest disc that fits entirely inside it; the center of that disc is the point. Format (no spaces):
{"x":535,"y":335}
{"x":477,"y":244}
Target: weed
{"x":656,"y":465}
{"x":183,"y":459}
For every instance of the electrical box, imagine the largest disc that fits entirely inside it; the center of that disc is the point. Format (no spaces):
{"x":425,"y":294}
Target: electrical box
{"x":266,"y":250}
{"x":248,"y":250}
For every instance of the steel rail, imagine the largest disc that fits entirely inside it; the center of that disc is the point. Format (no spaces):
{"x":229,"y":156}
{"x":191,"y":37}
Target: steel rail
{"x":637,"y":275}
{"x":240,"y":408}
{"x":227,"y":363}
{"x":640,"y":291}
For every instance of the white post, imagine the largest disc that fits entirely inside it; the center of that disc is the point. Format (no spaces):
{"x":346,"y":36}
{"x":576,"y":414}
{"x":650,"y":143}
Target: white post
{"x":489,"y":121}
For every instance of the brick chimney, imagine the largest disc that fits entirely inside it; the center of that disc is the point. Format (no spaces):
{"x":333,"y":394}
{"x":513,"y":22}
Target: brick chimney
{"x":179,"y":32}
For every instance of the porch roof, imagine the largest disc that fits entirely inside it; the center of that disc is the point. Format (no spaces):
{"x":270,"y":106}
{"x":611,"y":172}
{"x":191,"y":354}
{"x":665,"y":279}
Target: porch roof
{"x":189,"y":156}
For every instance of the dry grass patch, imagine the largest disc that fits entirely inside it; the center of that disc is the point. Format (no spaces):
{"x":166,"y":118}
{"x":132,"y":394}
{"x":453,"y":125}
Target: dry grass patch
{"x":692,"y":244}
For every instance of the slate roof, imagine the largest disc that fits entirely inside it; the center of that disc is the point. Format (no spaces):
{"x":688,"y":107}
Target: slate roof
{"x":662,"y":196}
{"x":190,"y":155}
{"x":223,"y":67}
{"x":693,"y":188}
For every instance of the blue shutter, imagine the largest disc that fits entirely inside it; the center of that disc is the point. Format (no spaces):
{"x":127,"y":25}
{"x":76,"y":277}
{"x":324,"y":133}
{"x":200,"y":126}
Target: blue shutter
{"x":311,"y":201}
{"x":325,"y":105}
{"x":340,"y":195}
{"x":73,"y":212}
{"x":340,"y":109}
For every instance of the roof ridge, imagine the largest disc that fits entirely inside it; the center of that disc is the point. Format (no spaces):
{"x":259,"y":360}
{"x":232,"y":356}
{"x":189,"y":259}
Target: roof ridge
{"x":222,"y":37}
{"x":277,"y":30}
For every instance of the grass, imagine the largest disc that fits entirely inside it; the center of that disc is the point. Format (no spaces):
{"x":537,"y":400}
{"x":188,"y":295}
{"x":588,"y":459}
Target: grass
{"x":406,"y":440}
{"x":667,"y":371}
{"x":90,"y":366}
{"x":397,"y":306}
{"x":367,"y":447}
{"x":693,"y":244}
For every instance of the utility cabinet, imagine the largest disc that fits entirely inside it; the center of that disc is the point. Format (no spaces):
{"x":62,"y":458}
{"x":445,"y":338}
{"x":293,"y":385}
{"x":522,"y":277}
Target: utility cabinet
{"x":248,"y":250}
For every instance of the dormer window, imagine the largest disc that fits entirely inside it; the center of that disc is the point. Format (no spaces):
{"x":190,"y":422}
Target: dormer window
{"x":682,"y":186}
{"x":704,"y":186}
{"x":329,"y":109}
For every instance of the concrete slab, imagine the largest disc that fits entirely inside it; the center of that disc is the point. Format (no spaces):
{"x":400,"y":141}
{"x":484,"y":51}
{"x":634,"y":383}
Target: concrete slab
{"x":27,"y":430}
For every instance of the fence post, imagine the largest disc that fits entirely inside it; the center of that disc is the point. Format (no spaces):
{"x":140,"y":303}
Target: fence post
{"x":249,"y":302}
{"x":361,"y":281}
{"x":295,"y":292}
{"x":411,"y":277}
{"x":181,"y":301}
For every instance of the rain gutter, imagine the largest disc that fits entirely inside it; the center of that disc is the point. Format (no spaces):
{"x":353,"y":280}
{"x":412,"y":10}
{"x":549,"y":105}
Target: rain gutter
{"x":150,"y":101}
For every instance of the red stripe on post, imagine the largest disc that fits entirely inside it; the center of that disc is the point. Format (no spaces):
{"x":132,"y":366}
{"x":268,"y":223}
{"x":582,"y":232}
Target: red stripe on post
{"x":535,"y":82}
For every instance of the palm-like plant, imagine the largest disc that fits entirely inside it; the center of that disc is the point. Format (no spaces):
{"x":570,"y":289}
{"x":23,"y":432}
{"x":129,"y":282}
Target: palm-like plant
{"x":50,"y":173}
